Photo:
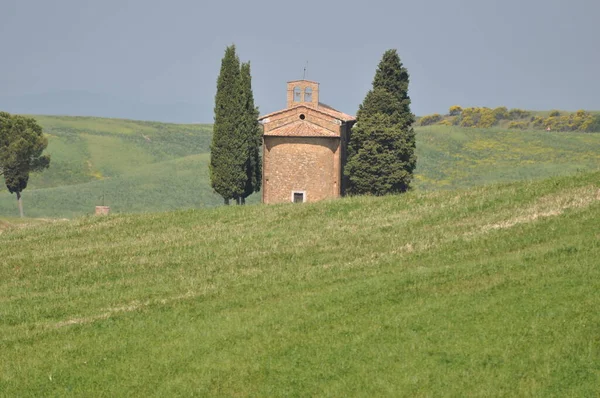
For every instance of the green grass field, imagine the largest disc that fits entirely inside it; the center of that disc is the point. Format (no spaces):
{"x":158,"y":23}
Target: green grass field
{"x":148,"y":167}
{"x":133,"y":166}
{"x":487,"y":291}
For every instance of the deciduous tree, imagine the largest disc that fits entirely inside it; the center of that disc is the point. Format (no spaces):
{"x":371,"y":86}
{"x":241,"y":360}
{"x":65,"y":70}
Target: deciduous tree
{"x":21,"y":145}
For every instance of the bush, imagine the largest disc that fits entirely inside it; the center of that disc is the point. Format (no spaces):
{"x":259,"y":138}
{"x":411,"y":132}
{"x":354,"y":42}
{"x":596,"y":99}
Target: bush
{"x":518,"y":125}
{"x":554,"y":113}
{"x":430,"y":119}
{"x":478,"y":117}
{"x":578,"y":121}
{"x":592,"y":124}
{"x":455,"y":110}
{"x":537,"y":122}
{"x":487,"y":118}
{"x":515,"y":114}
{"x":501,"y":113}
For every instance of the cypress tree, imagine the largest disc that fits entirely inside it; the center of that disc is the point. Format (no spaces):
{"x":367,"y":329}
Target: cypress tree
{"x":381,"y":150}
{"x":250,"y":130}
{"x":227,"y":152}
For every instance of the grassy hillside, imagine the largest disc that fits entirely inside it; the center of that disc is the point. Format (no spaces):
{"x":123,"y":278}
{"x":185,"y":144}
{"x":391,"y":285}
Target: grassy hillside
{"x":147,"y":166}
{"x":488,"y":291}
{"x":136,"y":166}
{"x":453,"y":157}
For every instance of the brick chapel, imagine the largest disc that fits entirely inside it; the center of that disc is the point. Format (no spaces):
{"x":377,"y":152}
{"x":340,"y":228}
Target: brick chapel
{"x":304,"y":148}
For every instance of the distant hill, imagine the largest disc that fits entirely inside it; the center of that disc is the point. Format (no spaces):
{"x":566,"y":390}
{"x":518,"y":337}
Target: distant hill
{"x":141,"y":166}
{"x":135,"y":166}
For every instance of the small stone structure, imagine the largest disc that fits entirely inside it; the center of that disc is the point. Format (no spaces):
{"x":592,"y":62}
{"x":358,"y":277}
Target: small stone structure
{"x":102,"y":210}
{"x":304,"y":148}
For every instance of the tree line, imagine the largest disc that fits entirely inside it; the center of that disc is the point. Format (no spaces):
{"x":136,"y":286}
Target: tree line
{"x":381,"y":148}
{"x":22,"y":143}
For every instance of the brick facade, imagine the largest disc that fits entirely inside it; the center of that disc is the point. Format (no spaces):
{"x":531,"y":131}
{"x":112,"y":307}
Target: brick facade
{"x":304,"y":148}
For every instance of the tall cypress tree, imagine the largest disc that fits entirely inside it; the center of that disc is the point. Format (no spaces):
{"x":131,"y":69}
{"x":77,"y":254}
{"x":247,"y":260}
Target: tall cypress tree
{"x":250,"y":130}
{"x":381,"y":150}
{"x":227,"y":151}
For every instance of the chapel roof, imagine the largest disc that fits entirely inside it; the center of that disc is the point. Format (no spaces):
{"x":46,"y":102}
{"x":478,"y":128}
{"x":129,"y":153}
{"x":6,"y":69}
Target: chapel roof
{"x":322,"y":108}
{"x":301,"y":128}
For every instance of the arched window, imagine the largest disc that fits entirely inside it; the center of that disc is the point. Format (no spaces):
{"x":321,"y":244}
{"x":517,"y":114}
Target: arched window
{"x":308,"y":94}
{"x":297,"y":94}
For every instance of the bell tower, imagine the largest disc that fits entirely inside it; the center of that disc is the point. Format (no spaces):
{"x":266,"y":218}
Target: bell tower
{"x":303,"y":92}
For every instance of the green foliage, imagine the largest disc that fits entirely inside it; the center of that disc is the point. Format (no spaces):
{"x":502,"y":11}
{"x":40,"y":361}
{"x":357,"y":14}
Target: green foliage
{"x":578,"y":121}
{"x":455,"y":110}
{"x":393,"y":77}
{"x":21,"y":145}
{"x":516,"y":114}
{"x":430,"y":119}
{"x":501,"y":113}
{"x":518,"y":125}
{"x":227,"y":151}
{"x":235,"y":167}
{"x":592,"y":124}
{"x":537,"y":122}
{"x":483,"y":292}
{"x":381,"y":149}
{"x":554,"y":113}
{"x":251,"y":133}
{"x":481,"y":117}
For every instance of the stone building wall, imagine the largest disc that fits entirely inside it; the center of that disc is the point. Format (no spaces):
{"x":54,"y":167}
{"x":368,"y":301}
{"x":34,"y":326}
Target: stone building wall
{"x":310,"y":115}
{"x":301,"y":164}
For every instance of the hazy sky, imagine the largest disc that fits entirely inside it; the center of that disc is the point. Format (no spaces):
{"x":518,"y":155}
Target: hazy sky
{"x":159,"y":60}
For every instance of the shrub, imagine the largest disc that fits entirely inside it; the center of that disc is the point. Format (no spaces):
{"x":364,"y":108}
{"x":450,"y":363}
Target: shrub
{"x":592,"y":124}
{"x":430,"y":119}
{"x":554,"y":113}
{"x":518,"y":125}
{"x":516,"y":113}
{"x":446,"y":122}
{"x":455,"y":110}
{"x":537,"y":122}
{"x":469,"y":117}
{"x":487,"y":118}
{"x":501,"y":113}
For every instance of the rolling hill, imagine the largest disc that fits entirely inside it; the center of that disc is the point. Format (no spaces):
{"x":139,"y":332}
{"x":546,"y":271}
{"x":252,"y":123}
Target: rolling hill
{"x":487,"y":291}
{"x":138,"y":166}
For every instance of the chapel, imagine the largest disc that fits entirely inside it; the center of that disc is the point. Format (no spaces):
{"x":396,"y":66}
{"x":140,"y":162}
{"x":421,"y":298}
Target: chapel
{"x":304,"y":148}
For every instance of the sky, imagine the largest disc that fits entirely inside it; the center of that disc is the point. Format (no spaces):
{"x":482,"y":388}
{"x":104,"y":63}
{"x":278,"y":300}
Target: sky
{"x":159,"y":60}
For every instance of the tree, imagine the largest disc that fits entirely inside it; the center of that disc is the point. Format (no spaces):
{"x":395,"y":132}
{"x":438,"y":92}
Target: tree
{"x":381,"y":149}
{"x":227,"y":160}
{"x":249,"y":129}
{"x":21,"y":145}
{"x":235,"y":166}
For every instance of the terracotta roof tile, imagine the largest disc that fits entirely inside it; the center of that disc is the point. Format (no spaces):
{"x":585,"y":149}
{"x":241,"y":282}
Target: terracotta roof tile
{"x":325,"y":109}
{"x":301,"y":128}
{"x":335,"y":113}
